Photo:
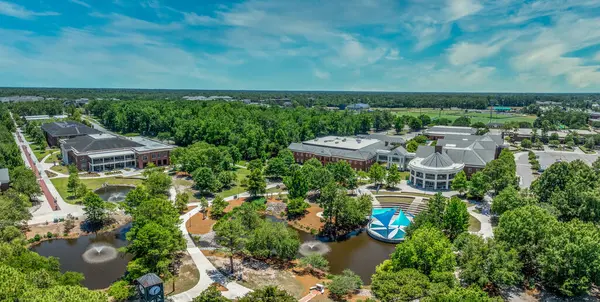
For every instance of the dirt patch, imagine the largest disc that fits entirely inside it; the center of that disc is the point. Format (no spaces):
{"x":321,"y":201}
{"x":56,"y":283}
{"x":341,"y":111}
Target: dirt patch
{"x":59,"y":227}
{"x":197,"y":225}
{"x":187,"y":278}
{"x":310,"y":221}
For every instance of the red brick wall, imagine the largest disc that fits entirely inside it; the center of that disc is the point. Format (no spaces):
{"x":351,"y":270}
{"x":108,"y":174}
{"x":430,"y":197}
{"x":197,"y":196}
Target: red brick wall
{"x":302,"y":157}
{"x":471,"y":170}
{"x":161,"y":158}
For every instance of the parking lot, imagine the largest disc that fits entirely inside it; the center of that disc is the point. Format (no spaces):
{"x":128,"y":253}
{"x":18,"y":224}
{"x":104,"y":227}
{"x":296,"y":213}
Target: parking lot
{"x":546,"y":159}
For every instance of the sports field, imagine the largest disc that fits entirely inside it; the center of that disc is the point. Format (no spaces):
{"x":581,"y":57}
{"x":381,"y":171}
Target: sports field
{"x":482,"y":116}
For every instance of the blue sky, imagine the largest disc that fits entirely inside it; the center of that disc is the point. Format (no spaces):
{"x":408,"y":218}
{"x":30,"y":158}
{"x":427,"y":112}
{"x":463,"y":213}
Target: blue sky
{"x":367,"y":45}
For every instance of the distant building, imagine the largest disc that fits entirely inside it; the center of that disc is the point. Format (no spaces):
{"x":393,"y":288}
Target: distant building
{"x":100,"y":152}
{"x":434,"y":167}
{"x":57,"y":131}
{"x":527,"y":133}
{"x":388,"y":139}
{"x":35,"y":118}
{"x":358,"y":107}
{"x":360,"y":153}
{"x":439,"y":132}
{"x":4,"y":179}
{"x":501,"y":109}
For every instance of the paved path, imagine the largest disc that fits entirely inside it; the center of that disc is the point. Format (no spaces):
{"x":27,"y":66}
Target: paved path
{"x":486,"y":226}
{"x":312,"y":294}
{"x":43,"y":215}
{"x":208,"y":273}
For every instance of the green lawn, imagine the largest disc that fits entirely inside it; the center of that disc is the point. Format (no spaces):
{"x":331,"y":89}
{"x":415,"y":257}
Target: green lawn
{"x":474,"y":224}
{"x":40,"y":154}
{"x":53,"y":157}
{"x":483,"y":117}
{"x":395,"y":199}
{"x":60,"y":169}
{"x":92,"y":184}
{"x":237,"y":188}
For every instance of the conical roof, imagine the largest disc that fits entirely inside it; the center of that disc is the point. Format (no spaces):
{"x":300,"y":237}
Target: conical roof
{"x":437,"y":160}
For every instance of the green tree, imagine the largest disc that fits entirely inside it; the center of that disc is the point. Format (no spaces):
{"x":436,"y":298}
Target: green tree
{"x":459,"y":294}
{"x":158,"y":182}
{"x":297,"y":183}
{"x":509,"y":199}
{"x":478,"y":185}
{"x":268,"y":294}
{"x":526,"y":143}
{"x":73,"y":181}
{"x":393,"y":177}
{"x":412,"y":146}
{"x":415,"y":124}
{"x":256,"y":183}
{"x":377,"y":174}
{"x":487,"y":264}
{"x":456,"y":218}
{"x":181,"y":201}
{"x":81,"y":190}
{"x":296,"y":207}
{"x":205,"y":180}
{"x":276,"y":168}
{"x":14,"y":208}
{"x":403,"y":285}
{"x":427,"y":250}
{"x":23,"y":180}
{"x":399,"y":124}
{"x":346,"y":283}
{"x":218,"y":206}
{"x":211,"y":294}
{"x":570,"y":260}
{"x":230,"y":234}
{"x":203,"y":207}
{"x":273,"y":240}
{"x":94,"y":208}
{"x":525,"y":229}
{"x":343,"y":174}
{"x":226,"y":178}
{"x":460,"y":182}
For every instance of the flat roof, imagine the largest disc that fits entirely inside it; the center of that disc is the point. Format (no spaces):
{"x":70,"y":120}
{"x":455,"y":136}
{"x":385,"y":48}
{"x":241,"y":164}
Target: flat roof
{"x":348,"y":143}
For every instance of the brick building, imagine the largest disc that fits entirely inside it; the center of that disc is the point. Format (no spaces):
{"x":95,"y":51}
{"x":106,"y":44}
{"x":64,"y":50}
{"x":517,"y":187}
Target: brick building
{"x":100,"y":152}
{"x":360,"y":153}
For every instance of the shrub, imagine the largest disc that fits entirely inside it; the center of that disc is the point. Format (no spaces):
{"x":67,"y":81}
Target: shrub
{"x":49,"y":234}
{"x":315,"y":262}
{"x":346,"y":283}
{"x":120,"y":291}
{"x":37,"y":237}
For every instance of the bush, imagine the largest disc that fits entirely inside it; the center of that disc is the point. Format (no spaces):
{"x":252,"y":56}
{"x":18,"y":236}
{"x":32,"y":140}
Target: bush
{"x":315,"y":262}
{"x":37,"y":237}
{"x":49,"y":235}
{"x":120,"y":291}
{"x":526,"y":143}
{"x":346,"y":283}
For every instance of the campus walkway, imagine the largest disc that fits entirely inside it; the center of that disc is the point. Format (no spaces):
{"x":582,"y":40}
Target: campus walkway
{"x":50,"y":210}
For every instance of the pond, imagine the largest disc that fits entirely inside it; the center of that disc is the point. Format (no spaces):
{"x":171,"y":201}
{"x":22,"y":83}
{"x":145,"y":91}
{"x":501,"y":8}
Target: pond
{"x":95,"y":256}
{"x":113,"y":193}
{"x":359,"y":252}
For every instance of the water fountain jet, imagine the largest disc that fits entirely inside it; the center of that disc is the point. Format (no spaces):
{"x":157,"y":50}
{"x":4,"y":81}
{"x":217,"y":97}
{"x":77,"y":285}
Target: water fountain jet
{"x":313,"y":247}
{"x":99,"y":253}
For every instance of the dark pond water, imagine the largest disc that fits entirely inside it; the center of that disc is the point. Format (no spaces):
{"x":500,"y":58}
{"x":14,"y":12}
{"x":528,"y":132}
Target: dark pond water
{"x":113,"y":193}
{"x":359,"y":253}
{"x":70,"y":251}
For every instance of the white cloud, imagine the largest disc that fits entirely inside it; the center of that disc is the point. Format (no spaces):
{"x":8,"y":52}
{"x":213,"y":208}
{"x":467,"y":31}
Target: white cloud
{"x":458,"y":9}
{"x":79,"y":2}
{"x":597,"y":57}
{"x":393,"y":55}
{"x":194,"y":19}
{"x":323,"y":75}
{"x":17,"y":11}
{"x":466,"y":53}
{"x":122,"y":22}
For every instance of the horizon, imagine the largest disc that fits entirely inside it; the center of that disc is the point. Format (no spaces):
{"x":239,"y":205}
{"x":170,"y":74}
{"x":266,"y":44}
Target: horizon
{"x":442,"y":46}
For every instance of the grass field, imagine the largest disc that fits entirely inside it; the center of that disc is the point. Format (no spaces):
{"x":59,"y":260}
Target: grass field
{"x":53,"y":157}
{"x":394,"y":199}
{"x":241,"y":173}
{"x":483,"y":117}
{"x":60,"y":169}
{"x":92,"y":184}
